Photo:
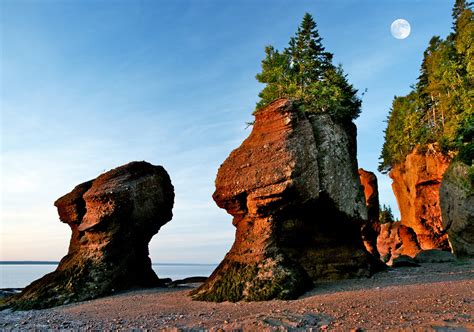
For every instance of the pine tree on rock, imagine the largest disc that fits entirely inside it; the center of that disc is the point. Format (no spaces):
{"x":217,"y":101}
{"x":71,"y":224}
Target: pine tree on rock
{"x":304,"y":72}
{"x":308,"y":56}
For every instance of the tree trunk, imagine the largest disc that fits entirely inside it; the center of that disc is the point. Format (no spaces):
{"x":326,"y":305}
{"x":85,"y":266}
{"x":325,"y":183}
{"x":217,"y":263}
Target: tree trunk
{"x":442,"y":111}
{"x":433,"y":109}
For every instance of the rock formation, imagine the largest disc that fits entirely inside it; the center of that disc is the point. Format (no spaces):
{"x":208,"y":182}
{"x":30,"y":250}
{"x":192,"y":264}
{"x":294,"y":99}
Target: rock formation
{"x":416,"y":184}
{"x":404,"y":261}
{"x":396,"y":240}
{"x":457,"y":206}
{"x":112,"y":219}
{"x":371,"y":229}
{"x":434,"y":256}
{"x":294,"y":193}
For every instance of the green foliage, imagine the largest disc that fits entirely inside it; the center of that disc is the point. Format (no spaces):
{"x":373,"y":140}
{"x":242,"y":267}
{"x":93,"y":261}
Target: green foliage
{"x":304,"y":72}
{"x":464,"y":140}
{"x":459,"y":7}
{"x":440,"y":107}
{"x":470,"y":174}
{"x":386,"y":215}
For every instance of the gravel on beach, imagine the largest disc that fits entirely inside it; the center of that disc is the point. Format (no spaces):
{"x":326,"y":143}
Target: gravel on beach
{"x":434,"y":296}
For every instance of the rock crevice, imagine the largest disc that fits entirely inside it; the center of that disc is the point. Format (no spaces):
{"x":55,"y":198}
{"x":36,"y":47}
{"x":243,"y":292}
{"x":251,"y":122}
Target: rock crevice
{"x":371,"y":229}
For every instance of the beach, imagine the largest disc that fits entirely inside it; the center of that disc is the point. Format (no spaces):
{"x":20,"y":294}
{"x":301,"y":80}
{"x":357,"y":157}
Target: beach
{"x":434,"y":296}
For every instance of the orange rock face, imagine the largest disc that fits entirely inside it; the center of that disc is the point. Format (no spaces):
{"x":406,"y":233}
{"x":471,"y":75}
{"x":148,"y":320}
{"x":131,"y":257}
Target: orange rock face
{"x":294,"y":224}
{"x":395,"y":240}
{"x":371,"y":229}
{"x":416,"y":184}
{"x":112,"y":219}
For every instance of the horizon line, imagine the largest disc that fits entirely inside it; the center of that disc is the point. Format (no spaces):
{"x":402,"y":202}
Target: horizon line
{"x":26,"y":262}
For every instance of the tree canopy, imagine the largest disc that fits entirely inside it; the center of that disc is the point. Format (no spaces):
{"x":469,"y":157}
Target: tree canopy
{"x":386,"y":215}
{"x":304,"y":72}
{"x":439,"y":109}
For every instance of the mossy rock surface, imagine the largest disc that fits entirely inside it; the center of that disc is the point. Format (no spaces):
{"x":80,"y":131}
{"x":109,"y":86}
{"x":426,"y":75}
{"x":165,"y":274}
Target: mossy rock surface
{"x":235,"y":281}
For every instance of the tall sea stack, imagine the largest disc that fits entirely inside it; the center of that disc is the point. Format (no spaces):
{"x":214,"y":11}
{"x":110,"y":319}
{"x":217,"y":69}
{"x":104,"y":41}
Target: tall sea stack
{"x":293,"y":190}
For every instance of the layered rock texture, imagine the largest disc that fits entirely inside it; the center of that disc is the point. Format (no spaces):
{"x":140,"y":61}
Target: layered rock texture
{"x":396,"y":240}
{"x":416,"y":184}
{"x":293,"y":190}
{"x":457,"y":205}
{"x":112,"y":219}
{"x":371,"y":229}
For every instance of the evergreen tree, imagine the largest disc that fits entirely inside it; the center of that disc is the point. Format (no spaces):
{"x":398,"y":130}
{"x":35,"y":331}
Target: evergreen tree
{"x":308,"y":57}
{"x":423,"y":79}
{"x":386,"y":215}
{"x":304,"y":72}
{"x":459,"y":7}
{"x":277,"y":73}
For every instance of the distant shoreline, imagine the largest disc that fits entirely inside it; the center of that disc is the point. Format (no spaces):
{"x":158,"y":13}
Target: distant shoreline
{"x":57,"y":262}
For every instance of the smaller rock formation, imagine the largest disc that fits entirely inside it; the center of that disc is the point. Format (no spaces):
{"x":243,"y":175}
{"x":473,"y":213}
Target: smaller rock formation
{"x":457,"y":206}
{"x":112,"y":219}
{"x":404,"y":261}
{"x":293,"y":190}
{"x":371,"y":229}
{"x":416,"y":184}
{"x":395,"y":240}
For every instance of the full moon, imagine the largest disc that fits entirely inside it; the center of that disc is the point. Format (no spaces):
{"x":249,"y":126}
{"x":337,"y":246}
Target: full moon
{"x":400,"y":28}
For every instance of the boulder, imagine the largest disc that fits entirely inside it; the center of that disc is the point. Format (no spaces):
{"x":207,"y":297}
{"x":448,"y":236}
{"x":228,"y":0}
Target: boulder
{"x":416,"y":183}
{"x":371,"y":229}
{"x":294,"y":193}
{"x":457,"y":207}
{"x":112,"y":219}
{"x":395,"y":240}
{"x":434,"y":256}
{"x":404,"y":261}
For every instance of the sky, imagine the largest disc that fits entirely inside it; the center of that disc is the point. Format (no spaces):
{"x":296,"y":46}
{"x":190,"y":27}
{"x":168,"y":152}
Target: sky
{"x":86,"y":86}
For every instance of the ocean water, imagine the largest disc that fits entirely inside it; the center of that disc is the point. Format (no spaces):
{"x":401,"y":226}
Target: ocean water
{"x":22,"y":274}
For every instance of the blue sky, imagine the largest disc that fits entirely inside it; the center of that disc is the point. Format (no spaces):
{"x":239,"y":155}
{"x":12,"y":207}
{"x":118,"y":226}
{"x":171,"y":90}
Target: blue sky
{"x":89,"y":85}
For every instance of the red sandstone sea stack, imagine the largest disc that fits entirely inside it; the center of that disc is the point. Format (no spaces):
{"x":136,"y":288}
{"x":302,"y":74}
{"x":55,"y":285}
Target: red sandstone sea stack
{"x":295,"y":195}
{"x":416,"y":184}
{"x":395,"y":240}
{"x":112,"y":219}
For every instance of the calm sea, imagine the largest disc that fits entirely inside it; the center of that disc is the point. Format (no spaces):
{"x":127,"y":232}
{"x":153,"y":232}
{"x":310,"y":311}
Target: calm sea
{"x":19,"y":275}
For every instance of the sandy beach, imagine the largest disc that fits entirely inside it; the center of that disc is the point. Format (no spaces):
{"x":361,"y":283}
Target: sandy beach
{"x":435,"y":296}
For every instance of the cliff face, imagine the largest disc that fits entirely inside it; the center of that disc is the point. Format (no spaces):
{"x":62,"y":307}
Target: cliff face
{"x":112,"y":219}
{"x":457,"y":205}
{"x":293,"y":190}
{"x":371,"y":228}
{"x":416,"y":184}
